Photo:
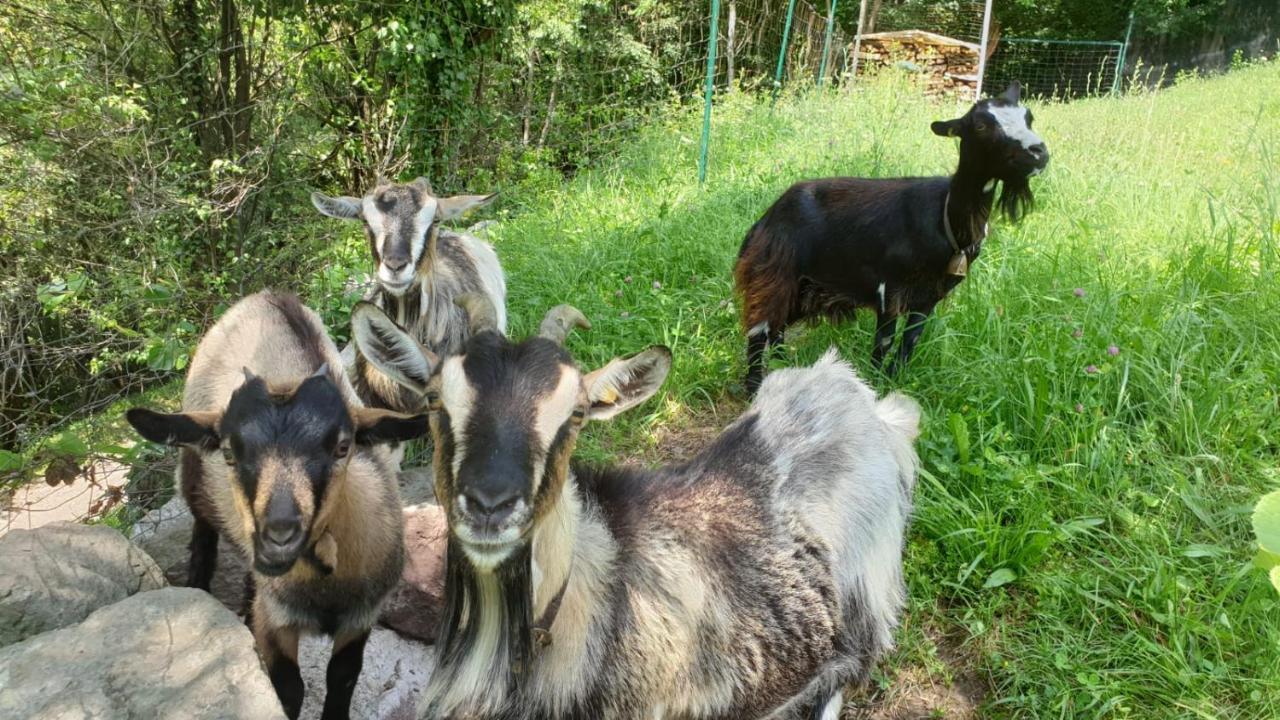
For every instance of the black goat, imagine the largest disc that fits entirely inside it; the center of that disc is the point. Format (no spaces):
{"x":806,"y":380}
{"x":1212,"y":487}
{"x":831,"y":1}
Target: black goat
{"x":898,"y":245}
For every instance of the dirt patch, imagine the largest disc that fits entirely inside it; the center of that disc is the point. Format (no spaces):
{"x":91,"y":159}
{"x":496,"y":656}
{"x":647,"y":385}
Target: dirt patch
{"x":83,"y":495}
{"x":691,"y":431}
{"x":942,"y":684}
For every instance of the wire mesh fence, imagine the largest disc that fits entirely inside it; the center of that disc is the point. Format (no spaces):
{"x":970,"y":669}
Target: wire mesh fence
{"x":1057,"y":69}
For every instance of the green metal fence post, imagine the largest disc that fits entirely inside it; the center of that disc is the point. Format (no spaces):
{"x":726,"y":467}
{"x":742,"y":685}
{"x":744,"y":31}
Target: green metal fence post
{"x":826,"y":43}
{"x":782,"y":54}
{"x":1124,"y":57}
{"x":711,"y":78}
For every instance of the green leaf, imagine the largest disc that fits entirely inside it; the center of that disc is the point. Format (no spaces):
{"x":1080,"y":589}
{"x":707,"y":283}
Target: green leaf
{"x":1003,"y":576}
{"x":67,"y":444}
{"x":1266,"y":522}
{"x":1264,"y":560}
{"x":10,"y":461}
{"x":1197,"y":550}
{"x":960,"y":432}
{"x":1275,"y":577}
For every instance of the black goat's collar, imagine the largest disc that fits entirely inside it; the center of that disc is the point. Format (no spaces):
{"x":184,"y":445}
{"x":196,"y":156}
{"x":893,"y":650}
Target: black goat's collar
{"x":969,"y":249}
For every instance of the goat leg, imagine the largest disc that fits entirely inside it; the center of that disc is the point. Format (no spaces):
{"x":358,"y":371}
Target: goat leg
{"x":204,"y":554}
{"x":886,"y":328}
{"x":910,"y":336}
{"x":279,"y":650}
{"x":344,"y":670}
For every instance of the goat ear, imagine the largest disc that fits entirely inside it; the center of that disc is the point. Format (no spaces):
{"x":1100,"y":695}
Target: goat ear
{"x":626,"y":382}
{"x":452,"y":207}
{"x":343,"y":208}
{"x":193,"y":429}
{"x":384,"y":426}
{"x":390,"y":349}
{"x":947,"y":128}
{"x":423,"y":184}
{"x":1013,"y":93}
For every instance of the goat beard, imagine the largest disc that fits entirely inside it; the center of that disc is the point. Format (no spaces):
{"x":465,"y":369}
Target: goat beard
{"x":460,"y":627}
{"x":1016,"y":199}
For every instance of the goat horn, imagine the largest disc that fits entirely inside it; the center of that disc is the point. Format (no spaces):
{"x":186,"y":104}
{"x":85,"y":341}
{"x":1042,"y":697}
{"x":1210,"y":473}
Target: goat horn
{"x":560,"y":320}
{"x":248,"y":375}
{"x":481,"y":314}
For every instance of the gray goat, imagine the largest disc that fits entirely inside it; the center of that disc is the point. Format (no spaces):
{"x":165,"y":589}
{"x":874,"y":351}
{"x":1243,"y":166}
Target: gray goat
{"x":756,"y":580}
{"x":421,"y":269}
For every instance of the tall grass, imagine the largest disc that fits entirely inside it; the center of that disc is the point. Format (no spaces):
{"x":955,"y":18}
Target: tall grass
{"x":1101,"y":392}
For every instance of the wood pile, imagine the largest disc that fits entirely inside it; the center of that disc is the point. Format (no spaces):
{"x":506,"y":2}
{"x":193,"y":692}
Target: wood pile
{"x":949,"y":66}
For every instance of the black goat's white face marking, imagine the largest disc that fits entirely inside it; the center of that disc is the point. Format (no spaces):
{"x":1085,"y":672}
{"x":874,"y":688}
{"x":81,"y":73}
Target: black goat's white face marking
{"x":998,"y":133}
{"x":1013,"y":121}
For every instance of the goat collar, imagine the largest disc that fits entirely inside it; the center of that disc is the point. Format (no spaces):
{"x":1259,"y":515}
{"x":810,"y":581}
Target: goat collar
{"x":542,"y":627}
{"x":972,"y":247}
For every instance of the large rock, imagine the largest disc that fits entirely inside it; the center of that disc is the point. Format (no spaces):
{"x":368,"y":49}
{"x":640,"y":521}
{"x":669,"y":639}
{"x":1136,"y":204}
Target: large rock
{"x":165,"y":533}
{"x":416,"y":486}
{"x":56,"y":575}
{"x":172,"y":653}
{"x":395,"y":671}
{"x":413,"y":608}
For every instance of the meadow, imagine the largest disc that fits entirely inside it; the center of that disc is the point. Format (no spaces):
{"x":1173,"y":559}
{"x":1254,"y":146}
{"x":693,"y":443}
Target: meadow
{"x":1100,"y":394}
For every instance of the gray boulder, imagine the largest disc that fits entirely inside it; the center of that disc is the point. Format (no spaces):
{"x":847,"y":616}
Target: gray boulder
{"x":56,"y":575}
{"x":395,"y":671}
{"x":165,"y":533}
{"x":172,"y":653}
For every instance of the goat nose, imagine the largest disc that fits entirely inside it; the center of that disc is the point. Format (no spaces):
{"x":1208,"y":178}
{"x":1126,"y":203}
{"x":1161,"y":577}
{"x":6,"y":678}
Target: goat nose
{"x":282,"y":533}
{"x":493,"y":507}
{"x":395,"y":264}
{"x":1039,"y":151}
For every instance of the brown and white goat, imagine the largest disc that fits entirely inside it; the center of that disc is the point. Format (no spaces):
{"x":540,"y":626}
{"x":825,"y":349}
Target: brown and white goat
{"x":754,"y":581}
{"x":895,"y":245}
{"x":278,"y":456}
{"x":421,"y":269}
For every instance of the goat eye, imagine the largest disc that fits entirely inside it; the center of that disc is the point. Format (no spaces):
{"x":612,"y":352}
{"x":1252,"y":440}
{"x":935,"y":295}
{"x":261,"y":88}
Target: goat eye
{"x":578,"y":416}
{"x":980,"y":126}
{"x":433,"y":401}
{"x":343,"y":448}
{"x":228,"y":456}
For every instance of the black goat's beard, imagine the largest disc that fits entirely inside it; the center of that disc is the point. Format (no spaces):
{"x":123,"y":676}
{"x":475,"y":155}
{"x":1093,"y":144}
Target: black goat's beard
{"x":1016,"y":199}
{"x":458,"y":634}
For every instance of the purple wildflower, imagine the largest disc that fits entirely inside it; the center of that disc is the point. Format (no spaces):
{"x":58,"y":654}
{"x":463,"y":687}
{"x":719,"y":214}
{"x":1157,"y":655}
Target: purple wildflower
{"x":1091,"y":369}
{"x":1112,"y":350}
{"x":1079,"y":407}
{"x":1078,"y":292}
{"x":657,"y":285}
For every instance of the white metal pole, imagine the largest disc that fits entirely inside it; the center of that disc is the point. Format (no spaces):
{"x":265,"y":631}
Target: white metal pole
{"x":982,"y":51}
{"x":857,"y":42}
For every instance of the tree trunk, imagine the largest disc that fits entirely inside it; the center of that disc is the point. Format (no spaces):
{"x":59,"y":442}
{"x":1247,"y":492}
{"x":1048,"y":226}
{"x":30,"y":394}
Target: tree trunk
{"x":872,"y":15}
{"x":729,"y":46}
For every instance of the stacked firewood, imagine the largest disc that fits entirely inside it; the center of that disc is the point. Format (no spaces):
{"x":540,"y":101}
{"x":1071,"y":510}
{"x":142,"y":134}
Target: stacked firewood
{"x":949,"y":67}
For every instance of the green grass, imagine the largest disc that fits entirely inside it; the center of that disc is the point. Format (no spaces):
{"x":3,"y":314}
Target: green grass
{"x":1114,"y":504}
{"x":1081,"y":543}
